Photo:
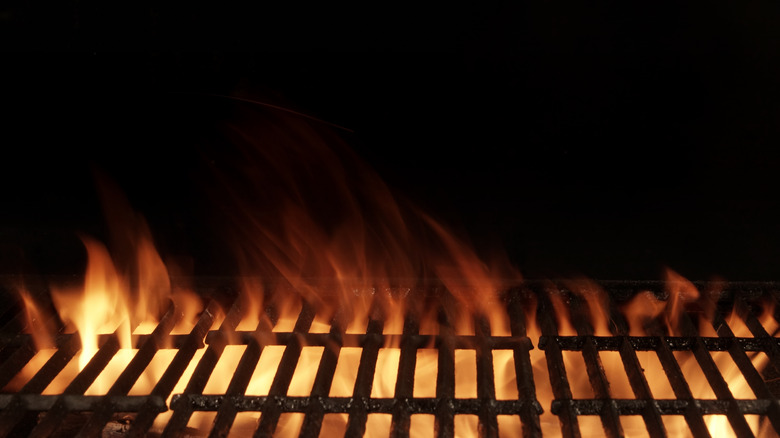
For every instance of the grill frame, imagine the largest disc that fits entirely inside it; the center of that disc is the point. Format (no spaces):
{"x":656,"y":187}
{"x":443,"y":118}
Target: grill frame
{"x":19,"y":412}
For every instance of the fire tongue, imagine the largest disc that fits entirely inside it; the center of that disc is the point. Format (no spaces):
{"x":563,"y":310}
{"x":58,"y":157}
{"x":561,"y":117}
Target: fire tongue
{"x":310,"y":224}
{"x":103,"y":305}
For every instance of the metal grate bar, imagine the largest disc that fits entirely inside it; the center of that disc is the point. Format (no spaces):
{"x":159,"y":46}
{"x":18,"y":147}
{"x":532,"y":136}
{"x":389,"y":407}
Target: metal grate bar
{"x":466,"y":342}
{"x":183,"y":411}
{"x":768,"y":342}
{"x":715,"y":378}
{"x":323,"y":380}
{"x":284,"y":374}
{"x":636,"y":376}
{"x":358,"y":414}
{"x":745,"y":366}
{"x":526,"y":388}
{"x":404,"y":384}
{"x":674,"y":343}
{"x":692,"y":414}
{"x":771,"y":349}
{"x":172,"y":374}
{"x":444,"y":423}
{"x":610,"y":418}
{"x":75,"y":402}
{"x":670,"y":407}
{"x":486,"y":384}
{"x":558,"y":379}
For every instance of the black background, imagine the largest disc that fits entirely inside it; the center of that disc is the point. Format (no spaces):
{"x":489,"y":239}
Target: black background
{"x":604,"y":139}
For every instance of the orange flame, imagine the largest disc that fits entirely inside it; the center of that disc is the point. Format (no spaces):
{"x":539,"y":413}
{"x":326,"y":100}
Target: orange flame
{"x":100,"y":307}
{"x":313,"y":228}
{"x":597,"y":303}
{"x":680,"y":290}
{"x":642,"y":309}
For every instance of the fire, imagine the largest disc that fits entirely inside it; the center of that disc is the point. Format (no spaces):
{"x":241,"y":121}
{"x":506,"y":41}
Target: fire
{"x":330,"y":251}
{"x":101,"y":306}
{"x":113,"y":301}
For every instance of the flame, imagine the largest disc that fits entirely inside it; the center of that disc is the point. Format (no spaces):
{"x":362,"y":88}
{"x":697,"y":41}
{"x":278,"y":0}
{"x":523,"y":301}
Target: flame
{"x":645,"y":314}
{"x":315,"y":231}
{"x":641,"y":310}
{"x":767,"y":318}
{"x":680,"y":290}
{"x":331,"y":236}
{"x":122,"y":300}
{"x":100,"y":307}
{"x":597,"y":304}
{"x":39,"y":323}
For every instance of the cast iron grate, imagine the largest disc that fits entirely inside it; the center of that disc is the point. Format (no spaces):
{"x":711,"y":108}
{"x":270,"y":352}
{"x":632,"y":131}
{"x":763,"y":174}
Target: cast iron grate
{"x":444,"y":406}
{"x":29,"y":413}
{"x":651,"y":410}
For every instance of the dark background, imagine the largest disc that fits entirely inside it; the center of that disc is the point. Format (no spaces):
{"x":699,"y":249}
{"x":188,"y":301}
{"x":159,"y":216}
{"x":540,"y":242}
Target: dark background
{"x":607,"y":140}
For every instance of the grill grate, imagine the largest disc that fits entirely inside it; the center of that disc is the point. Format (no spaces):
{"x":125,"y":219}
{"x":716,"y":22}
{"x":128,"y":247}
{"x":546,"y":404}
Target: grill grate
{"x":444,"y":406}
{"x":685,"y":404}
{"x":29,"y":413}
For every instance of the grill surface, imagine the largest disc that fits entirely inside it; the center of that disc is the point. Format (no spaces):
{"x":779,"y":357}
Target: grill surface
{"x":27,"y":412}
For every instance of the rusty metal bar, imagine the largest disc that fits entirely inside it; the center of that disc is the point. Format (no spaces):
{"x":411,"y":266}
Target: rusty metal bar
{"x":344,"y":405}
